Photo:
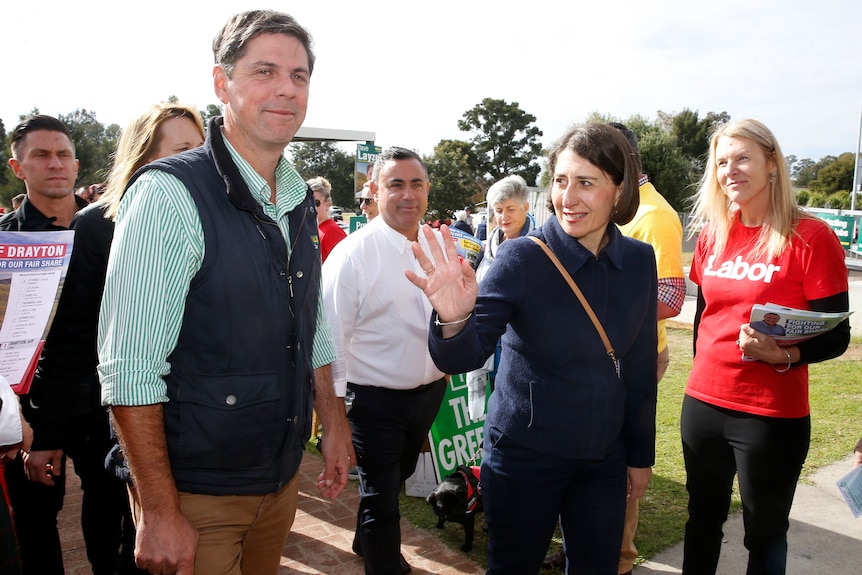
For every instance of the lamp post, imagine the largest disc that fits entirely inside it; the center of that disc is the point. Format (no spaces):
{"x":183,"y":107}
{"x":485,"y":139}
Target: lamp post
{"x":857,"y":186}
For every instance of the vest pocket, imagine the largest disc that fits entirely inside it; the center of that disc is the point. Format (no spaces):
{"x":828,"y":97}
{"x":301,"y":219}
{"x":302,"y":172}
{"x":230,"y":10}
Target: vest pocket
{"x":226,"y":421}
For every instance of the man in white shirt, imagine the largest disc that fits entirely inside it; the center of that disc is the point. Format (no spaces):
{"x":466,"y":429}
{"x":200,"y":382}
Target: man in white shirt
{"x":379,"y":323}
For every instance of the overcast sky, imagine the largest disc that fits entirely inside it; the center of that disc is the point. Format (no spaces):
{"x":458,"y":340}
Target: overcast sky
{"x":407,"y":71}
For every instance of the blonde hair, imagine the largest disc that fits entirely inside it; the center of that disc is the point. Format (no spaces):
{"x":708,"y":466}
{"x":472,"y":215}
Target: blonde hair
{"x":322,"y":185}
{"x":712,"y":206}
{"x":136,"y":146}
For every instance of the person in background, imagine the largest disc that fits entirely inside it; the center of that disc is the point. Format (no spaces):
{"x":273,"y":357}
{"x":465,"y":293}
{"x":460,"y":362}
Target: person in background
{"x":367,"y":203}
{"x":751,"y":419}
{"x":66,"y":375}
{"x":211,"y":322}
{"x":16,"y":201}
{"x":43,"y":157}
{"x":329,"y":231}
{"x":468,"y":217}
{"x":90,"y":193}
{"x":460,"y":222}
{"x":603,"y":404}
{"x":379,"y":322}
{"x":508,"y":199}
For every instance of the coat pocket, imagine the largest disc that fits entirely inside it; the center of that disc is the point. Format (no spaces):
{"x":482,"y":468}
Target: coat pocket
{"x":226,"y":421}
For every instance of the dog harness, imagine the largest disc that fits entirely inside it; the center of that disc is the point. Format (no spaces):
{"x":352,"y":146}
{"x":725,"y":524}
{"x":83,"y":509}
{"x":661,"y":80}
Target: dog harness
{"x":471,"y":477}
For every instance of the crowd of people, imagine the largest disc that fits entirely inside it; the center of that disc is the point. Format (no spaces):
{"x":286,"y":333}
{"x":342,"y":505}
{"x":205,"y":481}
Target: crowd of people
{"x":212,"y":305}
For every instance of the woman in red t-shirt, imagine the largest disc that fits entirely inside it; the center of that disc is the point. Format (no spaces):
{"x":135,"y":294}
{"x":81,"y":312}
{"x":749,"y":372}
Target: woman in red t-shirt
{"x":751,"y":418}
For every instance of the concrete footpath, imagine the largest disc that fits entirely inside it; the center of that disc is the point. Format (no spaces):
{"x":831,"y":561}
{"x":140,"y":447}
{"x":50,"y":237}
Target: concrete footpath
{"x":823,"y":538}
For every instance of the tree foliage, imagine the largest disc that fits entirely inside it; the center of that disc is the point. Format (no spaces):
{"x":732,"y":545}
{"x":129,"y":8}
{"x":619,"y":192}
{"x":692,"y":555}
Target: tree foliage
{"x":836,"y":176}
{"x":312,"y":159}
{"x":691,"y":133}
{"x":807,"y":170}
{"x":455,"y":179}
{"x":673,"y":172}
{"x":505,"y":141}
{"x":212,"y":111}
{"x":94,"y":145}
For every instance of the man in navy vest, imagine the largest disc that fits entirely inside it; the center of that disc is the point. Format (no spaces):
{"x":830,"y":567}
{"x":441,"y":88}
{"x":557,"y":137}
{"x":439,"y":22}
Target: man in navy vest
{"x":212,"y":340}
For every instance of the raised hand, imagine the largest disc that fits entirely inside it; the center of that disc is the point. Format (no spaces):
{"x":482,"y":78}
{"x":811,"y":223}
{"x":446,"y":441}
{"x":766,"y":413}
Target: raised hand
{"x":450,"y":284}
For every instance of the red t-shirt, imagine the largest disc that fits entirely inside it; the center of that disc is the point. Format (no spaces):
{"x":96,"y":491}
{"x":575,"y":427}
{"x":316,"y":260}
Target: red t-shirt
{"x":812,"y":267}
{"x":330,"y":234}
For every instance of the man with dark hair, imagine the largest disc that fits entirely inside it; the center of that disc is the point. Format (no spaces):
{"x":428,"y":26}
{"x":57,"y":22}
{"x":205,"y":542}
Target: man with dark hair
{"x":213,"y":345}
{"x":43,"y":157}
{"x":379,"y":322}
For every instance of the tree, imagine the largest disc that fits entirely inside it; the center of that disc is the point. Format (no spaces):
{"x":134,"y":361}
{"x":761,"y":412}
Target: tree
{"x":691,"y":133}
{"x":669,"y":169}
{"x":10,"y":186}
{"x":212,"y":111}
{"x":312,"y":159}
{"x":505,"y":141}
{"x":798,"y":167}
{"x":805,"y":175}
{"x":94,"y":145}
{"x":836,"y":176}
{"x":455,"y":179}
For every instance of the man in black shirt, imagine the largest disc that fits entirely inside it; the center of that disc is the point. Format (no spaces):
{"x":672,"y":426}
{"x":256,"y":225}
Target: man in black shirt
{"x":65,"y":412}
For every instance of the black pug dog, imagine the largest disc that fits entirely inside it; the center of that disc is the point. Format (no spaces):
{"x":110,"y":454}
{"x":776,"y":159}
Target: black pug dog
{"x":458,"y":499}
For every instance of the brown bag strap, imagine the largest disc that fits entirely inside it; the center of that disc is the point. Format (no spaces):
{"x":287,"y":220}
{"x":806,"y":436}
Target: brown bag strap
{"x":566,"y":276}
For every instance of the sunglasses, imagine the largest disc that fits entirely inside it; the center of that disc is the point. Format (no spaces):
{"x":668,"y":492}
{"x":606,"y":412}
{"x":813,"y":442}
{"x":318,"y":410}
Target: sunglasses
{"x":365,"y":201}
{"x":317,"y":203}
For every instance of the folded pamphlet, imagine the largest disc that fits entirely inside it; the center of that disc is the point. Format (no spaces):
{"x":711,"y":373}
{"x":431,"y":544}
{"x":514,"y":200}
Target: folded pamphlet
{"x":789,"y":326}
{"x":850,"y":487}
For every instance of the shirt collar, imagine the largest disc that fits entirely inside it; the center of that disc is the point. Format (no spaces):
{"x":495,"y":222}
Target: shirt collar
{"x":396,"y":238}
{"x":572,"y":253}
{"x":289,"y":185}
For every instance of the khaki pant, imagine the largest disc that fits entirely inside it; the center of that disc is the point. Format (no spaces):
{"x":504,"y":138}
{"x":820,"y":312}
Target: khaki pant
{"x":238,"y":534}
{"x":628,"y":551}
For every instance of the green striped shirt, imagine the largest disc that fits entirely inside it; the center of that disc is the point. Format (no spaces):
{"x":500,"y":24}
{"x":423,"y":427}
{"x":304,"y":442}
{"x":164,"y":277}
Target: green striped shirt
{"x":158,"y":247}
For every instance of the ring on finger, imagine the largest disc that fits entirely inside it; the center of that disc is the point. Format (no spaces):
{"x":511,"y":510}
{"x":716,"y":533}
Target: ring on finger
{"x":430,"y":270}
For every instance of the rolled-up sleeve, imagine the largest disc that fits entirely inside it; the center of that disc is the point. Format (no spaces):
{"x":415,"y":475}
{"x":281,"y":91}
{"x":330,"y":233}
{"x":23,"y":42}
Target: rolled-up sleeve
{"x":157,"y":249}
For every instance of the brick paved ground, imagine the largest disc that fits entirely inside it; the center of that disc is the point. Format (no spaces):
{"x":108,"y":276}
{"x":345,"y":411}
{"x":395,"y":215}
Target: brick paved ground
{"x":319,"y":543}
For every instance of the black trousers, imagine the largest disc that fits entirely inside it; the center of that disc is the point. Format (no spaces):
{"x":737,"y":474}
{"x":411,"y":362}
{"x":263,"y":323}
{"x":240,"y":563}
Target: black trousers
{"x":767,"y":453}
{"x":106,"y":521}
{"x":389,"y":430}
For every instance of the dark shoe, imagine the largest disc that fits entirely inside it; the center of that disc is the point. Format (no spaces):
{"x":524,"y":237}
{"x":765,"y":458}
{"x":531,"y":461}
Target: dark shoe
{"x":357,"y":548}
{"x":555,"y":560}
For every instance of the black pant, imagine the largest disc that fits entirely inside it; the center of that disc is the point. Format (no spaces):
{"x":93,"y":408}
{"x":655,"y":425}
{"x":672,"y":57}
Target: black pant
{"x":105,"y":517}
{"x":767,"y":453}
{"x":389,"y":429}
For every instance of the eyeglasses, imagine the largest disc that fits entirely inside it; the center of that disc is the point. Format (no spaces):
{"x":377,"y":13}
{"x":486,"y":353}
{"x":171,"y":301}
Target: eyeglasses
{"x":317,"y":203}
{"x":365,"y":201}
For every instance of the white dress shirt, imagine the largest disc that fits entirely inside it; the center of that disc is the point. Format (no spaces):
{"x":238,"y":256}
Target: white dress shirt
{"x":379,"y":320}
{"x":10,"y":416}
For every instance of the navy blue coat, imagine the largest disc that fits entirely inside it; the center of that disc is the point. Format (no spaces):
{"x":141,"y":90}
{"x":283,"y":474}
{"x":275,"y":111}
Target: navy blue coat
{"x":556,"y":389}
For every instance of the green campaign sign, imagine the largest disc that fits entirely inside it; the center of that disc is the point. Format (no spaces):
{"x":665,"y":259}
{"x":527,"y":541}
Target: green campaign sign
{"x":843,"y":227}
{"x":357,"y":222}
{"x":455,"y":439}
{"x":366,"y":155}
